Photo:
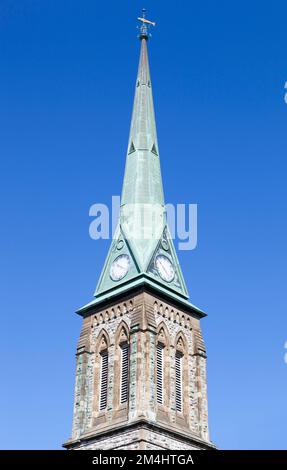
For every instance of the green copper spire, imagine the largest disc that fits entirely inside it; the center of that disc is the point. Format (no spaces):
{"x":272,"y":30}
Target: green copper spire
{"x":142,"y":248}
{"x":142,"y":204}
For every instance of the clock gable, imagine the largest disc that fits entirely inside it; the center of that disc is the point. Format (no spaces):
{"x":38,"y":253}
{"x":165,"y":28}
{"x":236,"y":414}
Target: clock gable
{"x":171,"y":277}
{"x":120,"y":265}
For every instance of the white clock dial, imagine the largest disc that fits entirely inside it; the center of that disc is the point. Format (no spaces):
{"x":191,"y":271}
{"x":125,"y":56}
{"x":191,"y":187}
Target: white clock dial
{"x":165,"y":268}
{"x":120,"y":267}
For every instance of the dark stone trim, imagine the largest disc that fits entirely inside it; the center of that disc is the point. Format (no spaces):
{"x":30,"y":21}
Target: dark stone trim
{"x":122,"y":297}
{"x":161,"y":429}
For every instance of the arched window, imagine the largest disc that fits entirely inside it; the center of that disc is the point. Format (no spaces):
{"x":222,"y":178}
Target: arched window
{"x":103,"y":371}
{"x":104,"y":379}
{"x":179,"y":374}
{"x":124,"y":372}
{"x":178,"y":381}
{"x":162,"y":367}
{"x":121,"y":366}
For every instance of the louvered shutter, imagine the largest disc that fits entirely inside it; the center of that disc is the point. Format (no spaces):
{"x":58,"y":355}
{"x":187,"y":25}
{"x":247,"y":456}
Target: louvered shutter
{"x":124,"y":372}
{"x":104,"y":380}
{"x":159,"y":369}
{"x":178,"y":381}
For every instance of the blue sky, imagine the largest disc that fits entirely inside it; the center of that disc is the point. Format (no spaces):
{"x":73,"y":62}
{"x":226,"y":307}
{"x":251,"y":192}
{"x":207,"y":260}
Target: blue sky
{"x":68,"y":70}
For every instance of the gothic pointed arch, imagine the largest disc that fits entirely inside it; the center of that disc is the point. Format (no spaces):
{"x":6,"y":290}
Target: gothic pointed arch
{"x":121,"y":370}
{"x":163,"y":334}
{"x":181,"y":385}
{"x":102,"y":341}
{"x":180,"y":342}
{"x":162,"y":370}
{"x":101,"y":373}
{"x":122,"y":333}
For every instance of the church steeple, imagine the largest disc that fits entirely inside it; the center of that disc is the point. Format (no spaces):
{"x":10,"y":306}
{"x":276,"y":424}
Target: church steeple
{"x":142,"y":250}
{"x":141,"y":360}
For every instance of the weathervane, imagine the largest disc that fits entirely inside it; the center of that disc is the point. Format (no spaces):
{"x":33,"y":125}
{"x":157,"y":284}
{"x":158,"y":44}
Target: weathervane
{"x":144,"y":28}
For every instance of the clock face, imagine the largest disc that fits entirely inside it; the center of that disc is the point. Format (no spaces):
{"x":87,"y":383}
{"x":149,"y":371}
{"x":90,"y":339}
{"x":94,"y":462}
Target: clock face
{"x":119,"y":267}
{"x":164,"y":268}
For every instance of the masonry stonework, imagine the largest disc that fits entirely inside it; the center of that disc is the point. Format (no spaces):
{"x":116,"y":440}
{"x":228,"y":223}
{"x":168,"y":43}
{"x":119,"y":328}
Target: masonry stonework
{"x":143,"y":317}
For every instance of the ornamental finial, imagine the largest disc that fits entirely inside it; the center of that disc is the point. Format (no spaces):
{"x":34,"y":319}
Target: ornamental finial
{"x":144,"y":28}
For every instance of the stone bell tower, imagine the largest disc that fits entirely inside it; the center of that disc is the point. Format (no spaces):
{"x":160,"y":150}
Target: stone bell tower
{"x":141,"y":360}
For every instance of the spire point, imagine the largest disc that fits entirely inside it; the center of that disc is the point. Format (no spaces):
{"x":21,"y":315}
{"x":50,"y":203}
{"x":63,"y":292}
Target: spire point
{"x":145,"y":25}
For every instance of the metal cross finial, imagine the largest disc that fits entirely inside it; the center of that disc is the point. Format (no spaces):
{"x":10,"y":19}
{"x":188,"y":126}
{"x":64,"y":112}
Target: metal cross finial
{"x":144,"y":28}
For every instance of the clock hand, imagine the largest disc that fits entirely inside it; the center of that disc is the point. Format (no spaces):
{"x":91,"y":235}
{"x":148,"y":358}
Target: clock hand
{"x":121,"y":266}
{"x":162,"y":265}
